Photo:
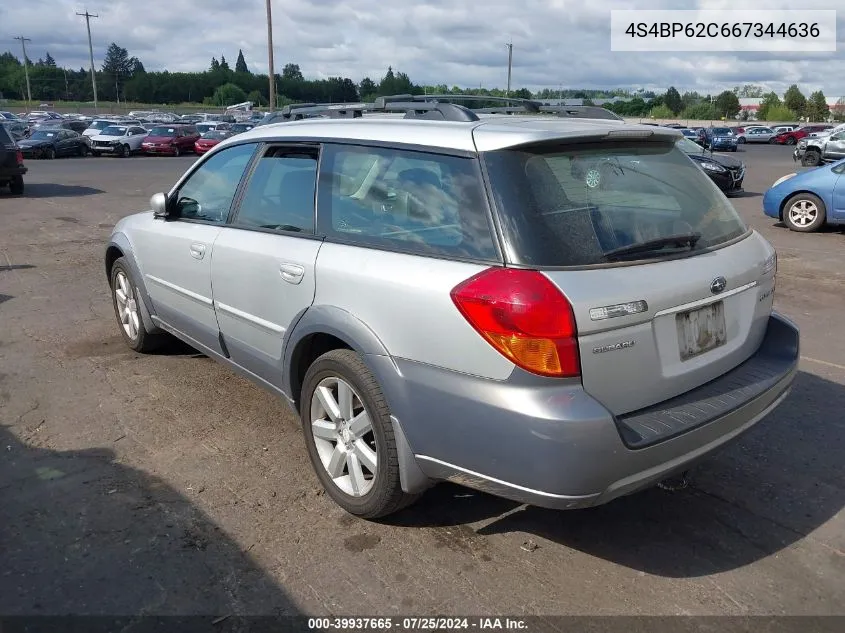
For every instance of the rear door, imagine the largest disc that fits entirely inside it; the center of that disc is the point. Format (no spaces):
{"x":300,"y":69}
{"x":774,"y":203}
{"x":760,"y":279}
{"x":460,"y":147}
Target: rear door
{"x":263,"y":270}
{"x":838,"y":196}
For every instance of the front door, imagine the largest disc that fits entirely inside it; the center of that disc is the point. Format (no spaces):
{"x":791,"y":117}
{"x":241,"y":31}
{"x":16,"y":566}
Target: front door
{"x":175,"y":253}
{"x":264,"y":262}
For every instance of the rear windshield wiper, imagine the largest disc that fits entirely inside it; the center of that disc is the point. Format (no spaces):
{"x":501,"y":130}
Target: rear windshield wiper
{"x":680,"y":240}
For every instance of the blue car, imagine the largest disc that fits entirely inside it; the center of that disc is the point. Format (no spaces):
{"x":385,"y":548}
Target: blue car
{"x":807,"y":201}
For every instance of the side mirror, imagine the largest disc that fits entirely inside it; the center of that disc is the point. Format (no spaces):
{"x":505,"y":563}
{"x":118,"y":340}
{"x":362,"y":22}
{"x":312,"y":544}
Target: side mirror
{"x":158,"y":203}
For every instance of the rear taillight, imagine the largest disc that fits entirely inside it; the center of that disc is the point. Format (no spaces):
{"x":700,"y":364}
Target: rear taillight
{"x":19,"y":156}
{"x":524,"y":316}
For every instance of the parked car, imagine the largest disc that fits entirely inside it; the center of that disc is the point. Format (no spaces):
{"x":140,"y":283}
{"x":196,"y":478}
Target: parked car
{"x":209,"y":140}
{"x":171,"y":140}
{"x":53,"y":142}
{"x":779,"y":129}
{"x":208,"y":126}
{"x":827,"y":132}
{"x":68,"y":124}
{"x":690,"y":134}
{"x":720,"y":139}
{"x":98,"y":125}
{"x":757,"y":134}
{"x":12,"y":168}
{"x":8,"y":116}
{"x":815,"y":151}
{"x":806,"y":201}
{"x":238,"y":128}
{"x":792,"y":137}
{"x":590,"y":345}
{"x":17,"y":129}
{"x":726,"y":171}
{"x":120,"y":140}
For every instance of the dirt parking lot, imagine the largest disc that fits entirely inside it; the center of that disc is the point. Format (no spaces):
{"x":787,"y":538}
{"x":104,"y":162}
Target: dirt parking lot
{"x":164,"y":484}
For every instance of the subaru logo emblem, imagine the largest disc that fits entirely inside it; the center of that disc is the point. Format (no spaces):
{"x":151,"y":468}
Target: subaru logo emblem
{"x":717,"y":285}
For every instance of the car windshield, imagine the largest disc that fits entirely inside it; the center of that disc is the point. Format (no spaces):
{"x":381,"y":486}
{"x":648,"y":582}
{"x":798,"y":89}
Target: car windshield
{"x":163,"y":130}
{"x":688,"y":147}
{"x":113,"y":131}
{"x":205,"y":127}
{"x":242,"y":127}
{"x":99,"y":125}
{"x":43,"y":135}
{"x":722,"y":131}
{"x":572,"y":205}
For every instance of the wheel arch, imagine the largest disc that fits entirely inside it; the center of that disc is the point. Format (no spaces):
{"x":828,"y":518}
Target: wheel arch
{"x":119,"y":246}
{"x":319,"y":329}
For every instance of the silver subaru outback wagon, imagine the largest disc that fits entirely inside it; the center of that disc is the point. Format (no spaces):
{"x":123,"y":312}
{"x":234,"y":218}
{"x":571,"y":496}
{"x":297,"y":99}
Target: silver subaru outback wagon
{"x":557,"y":311}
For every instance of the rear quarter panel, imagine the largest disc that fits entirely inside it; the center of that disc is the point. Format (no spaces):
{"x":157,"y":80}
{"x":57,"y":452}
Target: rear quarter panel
{"x":405,"y":301}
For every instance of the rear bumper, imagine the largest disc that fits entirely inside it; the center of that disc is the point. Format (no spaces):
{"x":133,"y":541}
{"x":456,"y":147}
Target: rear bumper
{"x":549,"y":443}
{"x":163,"y":151}
{"x":7,"y":173}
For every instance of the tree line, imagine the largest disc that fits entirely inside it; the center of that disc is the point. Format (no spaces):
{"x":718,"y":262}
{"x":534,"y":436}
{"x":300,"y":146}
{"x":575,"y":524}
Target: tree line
{"x":792,"y":107}
{"x":123,"y":78}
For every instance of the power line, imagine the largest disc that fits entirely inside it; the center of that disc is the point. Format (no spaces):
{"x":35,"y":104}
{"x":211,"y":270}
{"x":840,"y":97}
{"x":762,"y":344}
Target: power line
{"x":88,"y":17}
{"x":23,"y":41}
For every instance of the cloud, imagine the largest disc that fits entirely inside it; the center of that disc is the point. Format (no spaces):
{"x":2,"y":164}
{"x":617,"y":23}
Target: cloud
{"x":555,"y":42}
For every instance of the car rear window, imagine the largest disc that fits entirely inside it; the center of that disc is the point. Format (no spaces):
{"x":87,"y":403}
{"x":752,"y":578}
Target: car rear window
{"x":572,"y":205}
{"x":5,"y":138}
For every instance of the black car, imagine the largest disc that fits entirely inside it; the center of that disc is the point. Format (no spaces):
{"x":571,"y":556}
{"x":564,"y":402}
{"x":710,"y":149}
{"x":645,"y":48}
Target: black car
{"x":726,"y":171}
{"x":12,"y":168}
{"x":53,"y":142}
{"x":77,"y":125}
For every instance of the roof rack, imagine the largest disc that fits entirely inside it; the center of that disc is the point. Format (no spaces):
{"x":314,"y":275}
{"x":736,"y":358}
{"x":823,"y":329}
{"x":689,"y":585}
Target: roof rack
{"x":432,"y":107}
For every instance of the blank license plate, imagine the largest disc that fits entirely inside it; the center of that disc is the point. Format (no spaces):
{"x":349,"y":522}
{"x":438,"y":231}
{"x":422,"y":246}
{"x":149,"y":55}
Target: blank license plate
{"x":701,"y":330}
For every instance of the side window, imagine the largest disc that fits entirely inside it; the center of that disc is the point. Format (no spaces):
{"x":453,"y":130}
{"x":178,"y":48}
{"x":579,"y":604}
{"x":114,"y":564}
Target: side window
{"x":280,"y":192}
{"x":208,"y":192}
{"x":424,"y":203}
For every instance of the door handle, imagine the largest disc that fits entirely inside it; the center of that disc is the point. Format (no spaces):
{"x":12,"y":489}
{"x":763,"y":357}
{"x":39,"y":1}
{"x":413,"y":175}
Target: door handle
{"x":292,"y":273}
{"x":197,"y":251}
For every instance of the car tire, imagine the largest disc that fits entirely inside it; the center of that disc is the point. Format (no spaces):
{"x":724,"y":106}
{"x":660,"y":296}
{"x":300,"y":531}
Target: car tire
{"x":16,"y":185}
{"x":50,"y":153}
{"x":95,"y":154}
{"x":811,"y":158}
{"x":177,"y":151}
{"x":791,"y":140}
{"x":804,"y":213}
{"x":772,"y":141}
{"x":125,"y":151}
{"x":349,"y":452}
{"x":127,"y":310}
{"x":83,"y":151}
{"x":740,"y":140}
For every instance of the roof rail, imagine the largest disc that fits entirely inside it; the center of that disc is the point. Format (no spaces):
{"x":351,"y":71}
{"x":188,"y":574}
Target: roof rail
{"x":431,"y":107}
{"x":413,"y":108}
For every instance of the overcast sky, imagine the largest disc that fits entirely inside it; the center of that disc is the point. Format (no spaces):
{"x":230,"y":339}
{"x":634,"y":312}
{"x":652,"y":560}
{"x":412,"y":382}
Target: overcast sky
{"x":555,"y":42}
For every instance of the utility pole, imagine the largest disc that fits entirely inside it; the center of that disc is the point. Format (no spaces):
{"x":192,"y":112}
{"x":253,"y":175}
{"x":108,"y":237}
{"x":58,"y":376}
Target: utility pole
{"x":272,"y":72}
{"x":88,"y":17}
{"x":510,"y":66}
{"x":23,"y":41}
{"x":67,"y":87}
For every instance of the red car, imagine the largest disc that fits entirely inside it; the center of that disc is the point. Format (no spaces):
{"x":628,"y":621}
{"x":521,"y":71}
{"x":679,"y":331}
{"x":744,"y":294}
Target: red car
{"x":170,"y":140}
{"x":209,"y":140}
{"x":791,"y":138}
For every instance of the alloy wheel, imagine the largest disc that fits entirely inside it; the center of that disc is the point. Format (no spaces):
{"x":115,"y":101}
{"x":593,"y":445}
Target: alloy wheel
{"x":803,"y":213}
{"x":127,"y":306}
{"x":343,"y":436}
